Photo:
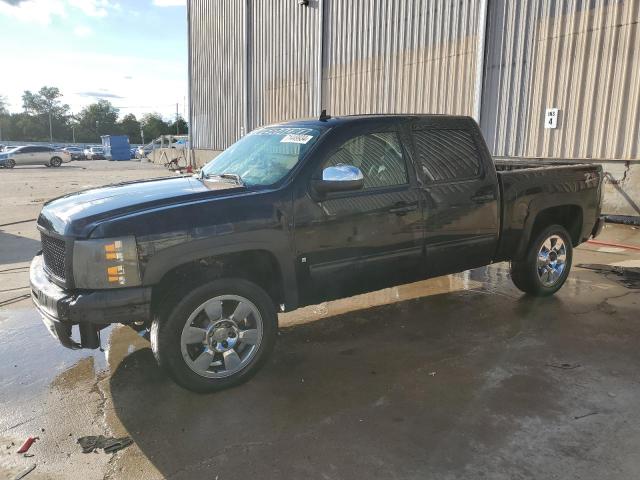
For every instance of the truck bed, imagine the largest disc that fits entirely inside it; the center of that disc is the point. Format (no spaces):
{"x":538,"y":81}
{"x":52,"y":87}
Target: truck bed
{"x":528,"y":187}
{"x":507,"y":165}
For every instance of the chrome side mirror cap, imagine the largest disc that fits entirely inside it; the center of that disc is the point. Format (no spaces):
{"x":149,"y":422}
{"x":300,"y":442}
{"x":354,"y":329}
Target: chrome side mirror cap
{"x":340,"y":178}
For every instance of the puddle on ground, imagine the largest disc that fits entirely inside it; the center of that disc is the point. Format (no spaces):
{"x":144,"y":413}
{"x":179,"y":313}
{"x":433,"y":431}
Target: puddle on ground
{"x":31,"y":360}
{"x":627,"y":276}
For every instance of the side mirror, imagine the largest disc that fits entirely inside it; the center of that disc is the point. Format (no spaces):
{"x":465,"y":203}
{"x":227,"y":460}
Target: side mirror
{"x":341,"y":178}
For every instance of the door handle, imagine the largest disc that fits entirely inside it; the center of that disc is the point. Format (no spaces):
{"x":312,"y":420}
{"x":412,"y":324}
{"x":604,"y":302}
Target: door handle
{"x":403,"y":208}
{"x":484,"y":198}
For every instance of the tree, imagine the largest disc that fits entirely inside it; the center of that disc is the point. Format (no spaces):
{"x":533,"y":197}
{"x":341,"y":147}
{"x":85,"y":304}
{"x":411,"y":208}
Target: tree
{"x":43,"y":109}
{"x":46,"y":101}
{"x":95,"y":120}
{"x":154,"y":126}
{"x":130,"y":126}
{"x":3,"y":105}
{"x":183,"y":128}
{"x":46,"y":113}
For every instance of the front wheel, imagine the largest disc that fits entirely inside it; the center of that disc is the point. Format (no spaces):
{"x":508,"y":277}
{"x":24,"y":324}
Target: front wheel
{"x":546,"y":264}
{"x":217,"y":336}
{"x":10,"y":163}
{"x":55,"y":162}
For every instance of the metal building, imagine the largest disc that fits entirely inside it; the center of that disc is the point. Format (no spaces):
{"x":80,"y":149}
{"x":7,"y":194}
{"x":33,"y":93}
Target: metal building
{"x":518,"y":67}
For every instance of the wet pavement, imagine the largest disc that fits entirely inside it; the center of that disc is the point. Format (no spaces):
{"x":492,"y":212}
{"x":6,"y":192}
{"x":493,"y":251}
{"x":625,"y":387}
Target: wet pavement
{"x":455,"y":377}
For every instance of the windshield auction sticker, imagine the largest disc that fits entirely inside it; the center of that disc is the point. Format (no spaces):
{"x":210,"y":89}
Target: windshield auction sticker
{"x":295,"y":138}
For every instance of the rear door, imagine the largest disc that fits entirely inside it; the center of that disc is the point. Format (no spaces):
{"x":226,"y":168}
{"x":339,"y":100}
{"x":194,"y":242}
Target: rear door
{"x":43,"y":155}
{"x":358,"y":241}
{"x":460,"y":196}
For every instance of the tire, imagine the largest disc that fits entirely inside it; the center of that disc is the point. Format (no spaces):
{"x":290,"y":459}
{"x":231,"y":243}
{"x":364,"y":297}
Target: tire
{"x":10,"y":163}
{"x":553,"y":246}
{"x":206,"y":362}
{"x":55,"y":162}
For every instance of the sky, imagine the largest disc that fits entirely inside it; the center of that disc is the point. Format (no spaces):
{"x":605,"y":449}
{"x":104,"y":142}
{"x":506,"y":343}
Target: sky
{"x":130,"y":52}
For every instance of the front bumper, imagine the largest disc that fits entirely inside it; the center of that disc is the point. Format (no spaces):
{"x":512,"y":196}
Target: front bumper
{"x":91,"y":310}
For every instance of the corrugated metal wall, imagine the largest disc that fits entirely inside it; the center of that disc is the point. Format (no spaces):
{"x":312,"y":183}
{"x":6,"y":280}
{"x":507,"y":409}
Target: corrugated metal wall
{"x":385,"y":56}
{"x":392,"y":56}
{"x":581,"y":56}
{"x":283,"y":61}
{"x":216,"y":48}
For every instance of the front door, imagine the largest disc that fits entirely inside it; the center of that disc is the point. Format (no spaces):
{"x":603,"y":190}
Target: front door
{"x":351,"y":242}
{"x":25,"y":156}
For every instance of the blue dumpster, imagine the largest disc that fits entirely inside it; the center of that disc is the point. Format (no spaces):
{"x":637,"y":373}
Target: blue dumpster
{"x":116,"y":147}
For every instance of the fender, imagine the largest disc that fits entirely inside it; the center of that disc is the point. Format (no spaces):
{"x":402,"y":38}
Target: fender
{"x":160,"y":261}
{"x":535,"y":207}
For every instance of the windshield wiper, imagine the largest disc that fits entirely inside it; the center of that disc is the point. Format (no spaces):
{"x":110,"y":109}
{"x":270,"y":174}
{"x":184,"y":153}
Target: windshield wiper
{"x":233,"y":176}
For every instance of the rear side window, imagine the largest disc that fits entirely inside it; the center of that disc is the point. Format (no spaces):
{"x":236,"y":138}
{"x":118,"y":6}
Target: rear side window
{"x":377,"y":155}
{"x":447,"y":154}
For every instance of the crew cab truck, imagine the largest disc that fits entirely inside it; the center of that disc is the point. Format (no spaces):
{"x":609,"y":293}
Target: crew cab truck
{"x":294,"y":214}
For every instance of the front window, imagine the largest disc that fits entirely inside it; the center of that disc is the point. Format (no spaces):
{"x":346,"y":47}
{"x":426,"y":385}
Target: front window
{"x":263,"y":157}
{"x":378,"y":156}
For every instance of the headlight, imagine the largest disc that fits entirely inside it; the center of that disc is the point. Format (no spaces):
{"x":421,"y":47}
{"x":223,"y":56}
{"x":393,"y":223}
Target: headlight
{"x":106,"y":263}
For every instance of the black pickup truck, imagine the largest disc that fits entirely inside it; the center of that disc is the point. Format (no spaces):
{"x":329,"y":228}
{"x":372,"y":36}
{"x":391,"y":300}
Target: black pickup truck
{"x":294,"y":214}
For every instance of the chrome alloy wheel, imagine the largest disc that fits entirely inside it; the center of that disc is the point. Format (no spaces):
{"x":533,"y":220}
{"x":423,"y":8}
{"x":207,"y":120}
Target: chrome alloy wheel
{"x":221,"y":336}
{"x":552,"y":258}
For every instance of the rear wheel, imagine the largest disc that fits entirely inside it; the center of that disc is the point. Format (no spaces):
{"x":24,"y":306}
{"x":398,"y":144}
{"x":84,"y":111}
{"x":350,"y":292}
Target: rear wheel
{"x":547,"y":263}
{"x":55,"y":162}
{"x":10,"y":163}
{"x":217,"y":336}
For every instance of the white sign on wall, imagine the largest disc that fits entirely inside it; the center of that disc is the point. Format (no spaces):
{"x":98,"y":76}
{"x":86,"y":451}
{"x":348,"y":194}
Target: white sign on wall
{"x":551,"y":118}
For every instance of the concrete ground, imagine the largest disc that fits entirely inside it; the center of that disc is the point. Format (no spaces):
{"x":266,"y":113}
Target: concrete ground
{"x":455,"y":377}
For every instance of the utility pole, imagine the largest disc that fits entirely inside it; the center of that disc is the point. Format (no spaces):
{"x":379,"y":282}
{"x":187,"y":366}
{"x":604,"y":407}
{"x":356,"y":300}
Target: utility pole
{"x":177,"y":118}
{"x":50,"y":129}
{"x":142,"y":135}
{"x":97,"y":126}
{"x":73,"y":133}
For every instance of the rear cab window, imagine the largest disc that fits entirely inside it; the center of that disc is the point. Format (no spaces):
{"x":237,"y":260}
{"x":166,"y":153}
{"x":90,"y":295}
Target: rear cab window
{"x":447,"y":155}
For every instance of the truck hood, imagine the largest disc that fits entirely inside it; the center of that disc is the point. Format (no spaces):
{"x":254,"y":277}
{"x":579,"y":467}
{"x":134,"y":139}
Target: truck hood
{"x":72,"y":214}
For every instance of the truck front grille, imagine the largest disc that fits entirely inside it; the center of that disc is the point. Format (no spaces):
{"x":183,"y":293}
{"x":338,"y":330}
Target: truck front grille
{"x":54,"y":251}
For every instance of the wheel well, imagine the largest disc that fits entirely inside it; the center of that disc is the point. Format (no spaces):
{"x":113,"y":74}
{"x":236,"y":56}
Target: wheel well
{"x":569,"y":216}
{"x":258,"y":266}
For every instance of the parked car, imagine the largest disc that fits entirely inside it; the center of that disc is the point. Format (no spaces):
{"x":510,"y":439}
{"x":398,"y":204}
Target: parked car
{"x":95,"y":153}
{"x":143,"y":151}
{"x":296,"y":214}
{"x":34,"y":155}
{"x":76,"y":153}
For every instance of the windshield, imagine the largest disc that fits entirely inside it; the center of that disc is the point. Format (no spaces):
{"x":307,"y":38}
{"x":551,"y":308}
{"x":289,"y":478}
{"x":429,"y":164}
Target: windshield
{"x":264,"y":156}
